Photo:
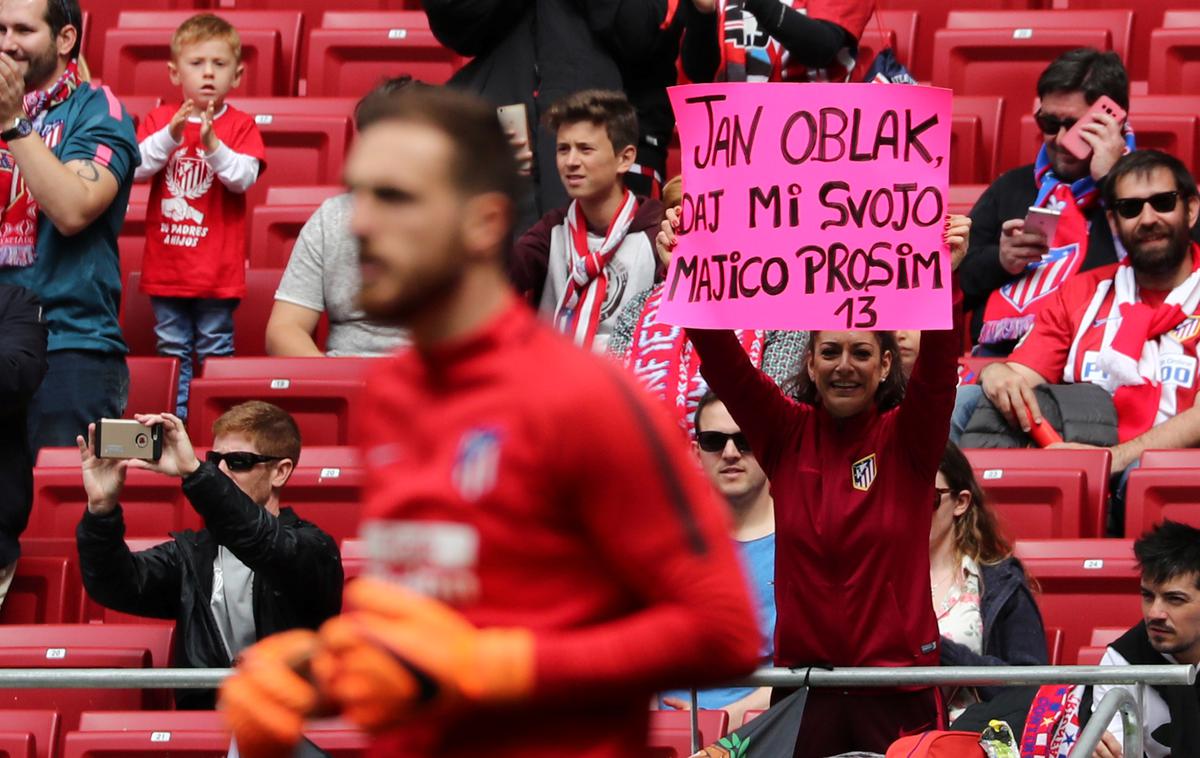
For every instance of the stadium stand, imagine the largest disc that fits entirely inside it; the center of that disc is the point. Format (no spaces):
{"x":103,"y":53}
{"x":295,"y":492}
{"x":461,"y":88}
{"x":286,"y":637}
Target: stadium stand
{"x":275,"y":224}
{"x":1148,"y":16}
{"x":35,"y":732}
{"x":320,"y":393}
{"x":1154,"y":494}
{"x":137,"y":49}
{"x":671,"y":736}
{"x":974,"y":139}
{"x":42,"y":592}
{"x":1084,"y":583}
{"x":351,"y":51}
{"x":996,"y":469}
{"x":932,"y":16}
{"x":153,"y":383}
{"x":903,"y":22}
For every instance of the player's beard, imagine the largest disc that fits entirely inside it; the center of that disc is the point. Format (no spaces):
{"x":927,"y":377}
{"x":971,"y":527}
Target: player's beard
{"x":421,"y":290}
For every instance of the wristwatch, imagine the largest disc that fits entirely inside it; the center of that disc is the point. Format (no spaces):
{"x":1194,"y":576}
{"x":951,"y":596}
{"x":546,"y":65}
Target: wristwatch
{"x":21,"y":127}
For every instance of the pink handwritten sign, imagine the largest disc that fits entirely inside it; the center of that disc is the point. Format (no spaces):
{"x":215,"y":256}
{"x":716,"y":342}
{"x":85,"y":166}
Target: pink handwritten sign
{"x":812,"y":206}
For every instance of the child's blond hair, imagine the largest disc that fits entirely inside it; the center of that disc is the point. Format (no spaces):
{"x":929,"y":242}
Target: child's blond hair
{"x":203,"y":27}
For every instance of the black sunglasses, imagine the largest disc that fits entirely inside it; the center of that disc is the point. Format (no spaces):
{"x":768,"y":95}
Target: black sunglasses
{"x":938,"y":493}
{"x":714,"y":442}
{"x":1051,"y":124}
{"x":1131,"y":207}
{"x":239,"y":461}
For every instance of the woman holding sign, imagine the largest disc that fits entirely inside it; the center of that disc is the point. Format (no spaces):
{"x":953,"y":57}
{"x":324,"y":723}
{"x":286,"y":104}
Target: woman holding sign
{"x":851,"y":462}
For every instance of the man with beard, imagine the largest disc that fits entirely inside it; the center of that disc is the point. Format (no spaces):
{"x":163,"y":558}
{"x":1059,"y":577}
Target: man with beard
{"x":525,"y":616}
{"x":70,"y":149}
{"x":1131,"y":327}
{"x":1169,"y":559}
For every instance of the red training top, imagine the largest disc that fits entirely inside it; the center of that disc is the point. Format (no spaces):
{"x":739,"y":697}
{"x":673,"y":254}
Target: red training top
{"x":195,"y":225}
{"x":853,"y":505}
{"x":532,"y":484}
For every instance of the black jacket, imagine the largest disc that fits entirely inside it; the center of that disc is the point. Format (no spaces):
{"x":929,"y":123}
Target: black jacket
{"x":1009,"y":197}
{"x":22,"y":366}
{"x":1013,"y":634}
{"x":297,"y":571}
{"x":538,"y":51}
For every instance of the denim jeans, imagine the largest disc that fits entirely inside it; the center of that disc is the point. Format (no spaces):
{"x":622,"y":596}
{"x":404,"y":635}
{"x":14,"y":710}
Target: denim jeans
{"x":966,"y":400}
{"x":80,"y":387}
{"x":192,"y":325}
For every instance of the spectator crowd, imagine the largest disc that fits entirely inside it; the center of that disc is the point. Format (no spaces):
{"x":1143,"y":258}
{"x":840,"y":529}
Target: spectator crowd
{"x":599,"y":508}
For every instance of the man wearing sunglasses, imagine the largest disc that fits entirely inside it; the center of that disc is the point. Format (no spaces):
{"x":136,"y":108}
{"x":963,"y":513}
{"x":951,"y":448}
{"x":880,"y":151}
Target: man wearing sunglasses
{"x":725,"y":456}
{"x":254,"y":569}
{"x":1010,"y":272}
{"x":1130,"y":327}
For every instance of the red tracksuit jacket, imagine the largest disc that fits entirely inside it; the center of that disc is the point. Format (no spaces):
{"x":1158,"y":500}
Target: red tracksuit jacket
{"x":853,"y":506}
{"x":531,"y":484}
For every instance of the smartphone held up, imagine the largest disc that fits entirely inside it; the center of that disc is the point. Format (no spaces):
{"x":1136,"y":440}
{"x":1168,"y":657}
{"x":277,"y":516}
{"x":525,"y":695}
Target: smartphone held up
{"x":1073,"y":141}
{"x":123,"y":439}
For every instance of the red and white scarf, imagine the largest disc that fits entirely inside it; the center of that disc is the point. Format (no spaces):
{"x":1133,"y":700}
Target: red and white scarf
{"x":578,"y":314}
{"x":18,"y":224}
{"x":664,"y":361}
{"x":1011,"y":310}
{"x":1137,"y":343}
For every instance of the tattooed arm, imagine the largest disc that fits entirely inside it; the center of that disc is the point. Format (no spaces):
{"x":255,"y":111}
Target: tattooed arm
{"x":72,"y":195}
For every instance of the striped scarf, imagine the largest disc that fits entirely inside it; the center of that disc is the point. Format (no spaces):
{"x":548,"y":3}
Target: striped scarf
{"x":578,"y":315}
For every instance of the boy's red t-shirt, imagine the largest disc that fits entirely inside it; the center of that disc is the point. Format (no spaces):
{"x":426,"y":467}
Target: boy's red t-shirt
{"x":195,"y":225}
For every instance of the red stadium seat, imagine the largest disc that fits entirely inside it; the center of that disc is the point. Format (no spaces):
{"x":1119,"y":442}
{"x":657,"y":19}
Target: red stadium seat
{"x":1054,"y":645}
{"x":250,"y":318}
{"x":1106,"y":635}
{"x":153,"y":384}
{"x":932,"y":17}
{"x":135,"y":61}
{"x":275,"y":225}
{"x":1154,"y":494}
{"x":131,"y":242}
{"x":352,"y":51}
{"x":671,"y":731}
{"x":1174,"y":61}
{"x":994,"y":465}
{"x":963,"y":197}
{"x":321,"y":393}
{"x":874,"y":40}
{"x":1118,"y":22}
{"x":974,"y":138}
{"x":1084,"y":583}
{"x":1036,"y":503}
{"x":100,"y":17}
{"x":328,"y":496}
{"x":44,"y":591}
{"x":84,"y":646}
{"x":153,"y":504}
{"x":1177,"y":458}
{"x":136,"y":51}
{"x":1148,"y":16}
{"x":138,"y":106}
{"x":192,"y":733}
{"x":1006,"y":62}
{"x":40,"y":727}
{"x":306,"y":140}
{"x":1090,"y":655}
{"x":904,"y":24}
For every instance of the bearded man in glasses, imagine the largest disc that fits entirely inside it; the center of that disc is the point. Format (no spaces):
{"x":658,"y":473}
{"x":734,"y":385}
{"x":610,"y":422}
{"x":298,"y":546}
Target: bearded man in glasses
{"x":1130,"y":327}
{"x":1010,"y":272}
{"x":255,"y":569}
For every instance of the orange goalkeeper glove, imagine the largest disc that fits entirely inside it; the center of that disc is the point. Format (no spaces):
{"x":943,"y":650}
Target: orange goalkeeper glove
{"x":396,"y":654}
{"x":267,"y":700}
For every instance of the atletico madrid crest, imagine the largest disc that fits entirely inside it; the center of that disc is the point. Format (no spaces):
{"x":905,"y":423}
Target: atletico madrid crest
{"x":1187,"y":330}
{"x":862,"y":473}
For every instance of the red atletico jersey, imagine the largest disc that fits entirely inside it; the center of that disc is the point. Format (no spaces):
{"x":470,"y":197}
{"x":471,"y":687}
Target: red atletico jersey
{"x":195,"y":226}
{"x":529,"y":483}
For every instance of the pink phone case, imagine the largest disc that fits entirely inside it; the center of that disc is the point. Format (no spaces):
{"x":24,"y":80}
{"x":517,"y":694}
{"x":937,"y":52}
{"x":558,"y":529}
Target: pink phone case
{"x":1073,"y":142}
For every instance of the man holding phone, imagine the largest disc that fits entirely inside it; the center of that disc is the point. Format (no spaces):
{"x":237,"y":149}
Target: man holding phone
{"x":255,"y":569}
{"x":1021,"y":251}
